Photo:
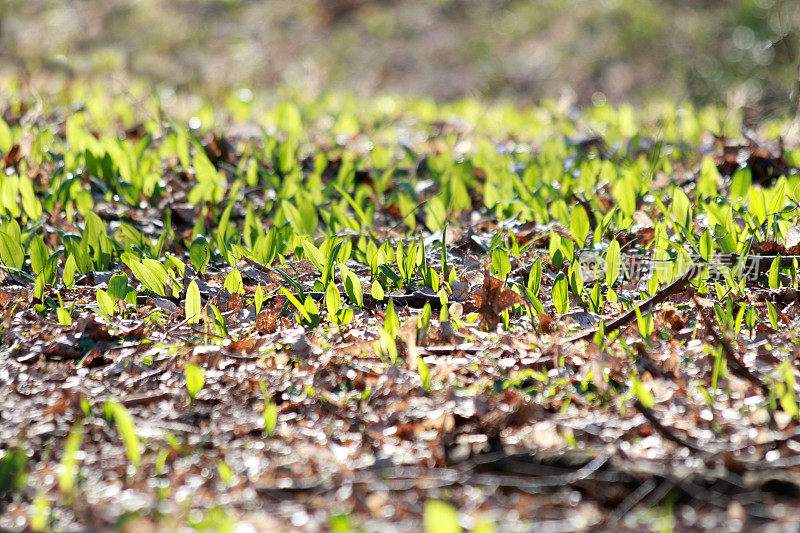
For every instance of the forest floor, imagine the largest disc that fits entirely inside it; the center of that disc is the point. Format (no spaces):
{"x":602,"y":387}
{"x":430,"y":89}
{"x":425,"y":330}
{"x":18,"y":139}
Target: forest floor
{"x":387,"y":314}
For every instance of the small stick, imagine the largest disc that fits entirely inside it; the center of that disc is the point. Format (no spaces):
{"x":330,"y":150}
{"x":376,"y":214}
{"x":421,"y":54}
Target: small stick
{"x":260,"y":266}
{"x":673,"y":288}
{"x":663,"y":430}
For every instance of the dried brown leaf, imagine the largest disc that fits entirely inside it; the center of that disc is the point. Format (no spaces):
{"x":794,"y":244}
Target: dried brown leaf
{"x":494,"y":297}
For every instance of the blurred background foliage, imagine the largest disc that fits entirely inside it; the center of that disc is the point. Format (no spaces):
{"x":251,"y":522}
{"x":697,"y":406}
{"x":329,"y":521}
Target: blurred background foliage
{"x":741,"y":53}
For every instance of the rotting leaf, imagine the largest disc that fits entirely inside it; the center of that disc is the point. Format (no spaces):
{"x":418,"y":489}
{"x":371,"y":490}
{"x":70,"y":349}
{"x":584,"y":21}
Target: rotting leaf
{"x":494,"y":297}
{"x":268,"y":321}
{"x":245,"y":346}
{"x":234,"y":303}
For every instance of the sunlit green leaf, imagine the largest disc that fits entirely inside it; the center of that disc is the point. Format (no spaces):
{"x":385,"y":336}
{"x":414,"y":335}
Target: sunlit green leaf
{"x":195,"y":379}
{"x":38,"y":254}
{"x":69,"y":460}
{"x":613,"y":263}
{"x":258,"y":299}
{"x":424,"y":374}
{"x":192,"y":305}
{"x":774,"y":273}
{"x":333,"y":300}
{"x":105,"y":302}
{"x":377,"y":290}
{"x":440,"y":517}
{"x":270,"y":416}
{"x":233,"y":282}
{"x":642,"y":394}
{"x":127,"y":430}
{"x":11,"y":252}
{"x":199,"y":254}
{"x":560,"y":293}
{"x":579,"y":225}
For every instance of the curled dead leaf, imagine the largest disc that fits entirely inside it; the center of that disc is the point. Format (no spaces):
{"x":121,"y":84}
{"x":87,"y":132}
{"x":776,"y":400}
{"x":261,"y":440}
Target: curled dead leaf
{"x":267,"y":321}
{"x":234,"y":303}
{"x":494,"y":297}
{"x":246,"y":345}
{"x":674,"y":319}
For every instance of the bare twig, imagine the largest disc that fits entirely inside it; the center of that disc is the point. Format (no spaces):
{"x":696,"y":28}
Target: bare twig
{"x":663,"y":430}
{"x":673,"y":288}
{"x":146,"y":399}
{"x":633,"y":499}
{"x":260,"y":266}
